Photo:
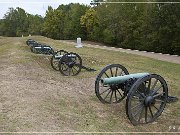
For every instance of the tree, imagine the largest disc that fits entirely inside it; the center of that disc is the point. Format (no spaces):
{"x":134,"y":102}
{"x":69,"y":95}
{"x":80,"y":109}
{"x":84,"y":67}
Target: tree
{"x":72,"y":27}
{"x":54,"y":23}
{"x":163,"y":24}
{"x":89,"y":21}
{"x":35,"y":24}
{"x":2,"y":28}
{"x":15,"y":22}
{"x":64,"y":22}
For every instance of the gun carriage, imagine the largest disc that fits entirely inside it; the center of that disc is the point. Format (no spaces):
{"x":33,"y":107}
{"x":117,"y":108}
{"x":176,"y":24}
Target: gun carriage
{"x":147,"y":94}
{"x":69,"y":64}
{"x":39,"y":48}
{"x":42,"y":49}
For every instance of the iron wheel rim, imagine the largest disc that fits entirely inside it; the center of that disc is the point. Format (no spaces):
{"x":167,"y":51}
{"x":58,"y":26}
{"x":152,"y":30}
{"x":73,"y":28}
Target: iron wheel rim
{"x":148,"y":105}
{"x":103,"y":92}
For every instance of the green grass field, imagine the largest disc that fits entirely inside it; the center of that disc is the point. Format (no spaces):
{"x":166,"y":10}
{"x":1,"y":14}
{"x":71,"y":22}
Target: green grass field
{"x":71,"y":104}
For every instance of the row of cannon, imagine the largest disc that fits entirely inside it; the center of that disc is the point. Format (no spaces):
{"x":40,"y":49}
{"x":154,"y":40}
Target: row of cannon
{"x":39,"y":47}
{"x":68,"y":63}
{"x":146,"y":94}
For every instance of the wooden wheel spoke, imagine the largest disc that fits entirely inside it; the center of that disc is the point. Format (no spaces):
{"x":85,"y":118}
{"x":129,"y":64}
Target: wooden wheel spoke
{"x":111,"y":96}
{"x":63,"y":67}
{"x":103,"y":85}
{"x":137,"y":98}
{"x":160,"y":94}
{"x":111,"y":72}
{"x":107,"y":94}
{"x":155,"y":107}
{"x":149,"y":84}
{"x":155,"y":91}
{"x":140,"y":116}
{"x":104,"y":91}
{"x":159,"y":100}
{"x":137,"y":112}
{"x":154,"y":84}
{"x":141,"y":94}
{"x":115,"y":95}
{"x":119,"y":93}
{"x":116,"y":71}
{"x":75,"y":68}
{"x":146,"y":114}
{"x":106,"y":74}
{"x":151,"y":111}
{"x":136,"y":106}
{"x":121,"y":72}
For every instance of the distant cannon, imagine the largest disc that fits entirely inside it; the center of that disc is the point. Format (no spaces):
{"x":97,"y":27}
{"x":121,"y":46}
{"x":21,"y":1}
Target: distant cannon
{"x":30,"y":42}
{"x":147,"y":94}
{"x":69,"y":64}
{"x":39,"y":48}
{"x":42,"y":49}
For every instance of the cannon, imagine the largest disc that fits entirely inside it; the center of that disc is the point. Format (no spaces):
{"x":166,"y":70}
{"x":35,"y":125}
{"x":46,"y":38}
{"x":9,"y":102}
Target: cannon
{"x":69,"y":64}
{"x":147,"y":94}
{"x":39,"y":48}
{"x":42,"y":49}
{"x":31,"y":42}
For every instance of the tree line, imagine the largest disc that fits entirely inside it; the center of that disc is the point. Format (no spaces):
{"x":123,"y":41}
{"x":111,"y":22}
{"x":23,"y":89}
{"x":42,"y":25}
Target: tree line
{"x":151,"y":27}
{"x":17,"y":22}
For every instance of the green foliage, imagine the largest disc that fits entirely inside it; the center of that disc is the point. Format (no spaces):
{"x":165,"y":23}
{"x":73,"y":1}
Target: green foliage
{"x":17,"y":22}
{"x":108,"y":37}
{"x":53,"y":24}
{"x":35,"y":24}
{"x":162,"y":29}
{"x":89,"y":20}
{"x":96,"y":34}
{"x":64,"y":22}
{"x":150,"y":27}
{"x":2,"y":27}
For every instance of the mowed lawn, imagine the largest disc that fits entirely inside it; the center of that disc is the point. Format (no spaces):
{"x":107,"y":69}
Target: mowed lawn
{"x":35,"y":98}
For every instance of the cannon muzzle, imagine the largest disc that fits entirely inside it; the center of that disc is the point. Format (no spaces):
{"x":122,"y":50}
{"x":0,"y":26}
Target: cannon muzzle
{"x":122,"y":79}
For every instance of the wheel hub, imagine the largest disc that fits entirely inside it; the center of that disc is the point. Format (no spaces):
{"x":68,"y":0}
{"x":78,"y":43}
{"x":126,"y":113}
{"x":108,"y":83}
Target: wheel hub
{"x":149,"y":100}
{"x":114,"y":87}
{"x":71,"y":64}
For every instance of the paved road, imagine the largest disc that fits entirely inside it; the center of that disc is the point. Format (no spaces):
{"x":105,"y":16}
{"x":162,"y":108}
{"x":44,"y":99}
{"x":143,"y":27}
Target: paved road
{"x":159,"y":56}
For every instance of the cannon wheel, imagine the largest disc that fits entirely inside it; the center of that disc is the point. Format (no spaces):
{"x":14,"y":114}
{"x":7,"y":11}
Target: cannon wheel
{"x":146,"y":99}
{"x":46,"y":51}
{"x":113,"y":93}
{"x":70,"y":64}
{"x":55,"y":62}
